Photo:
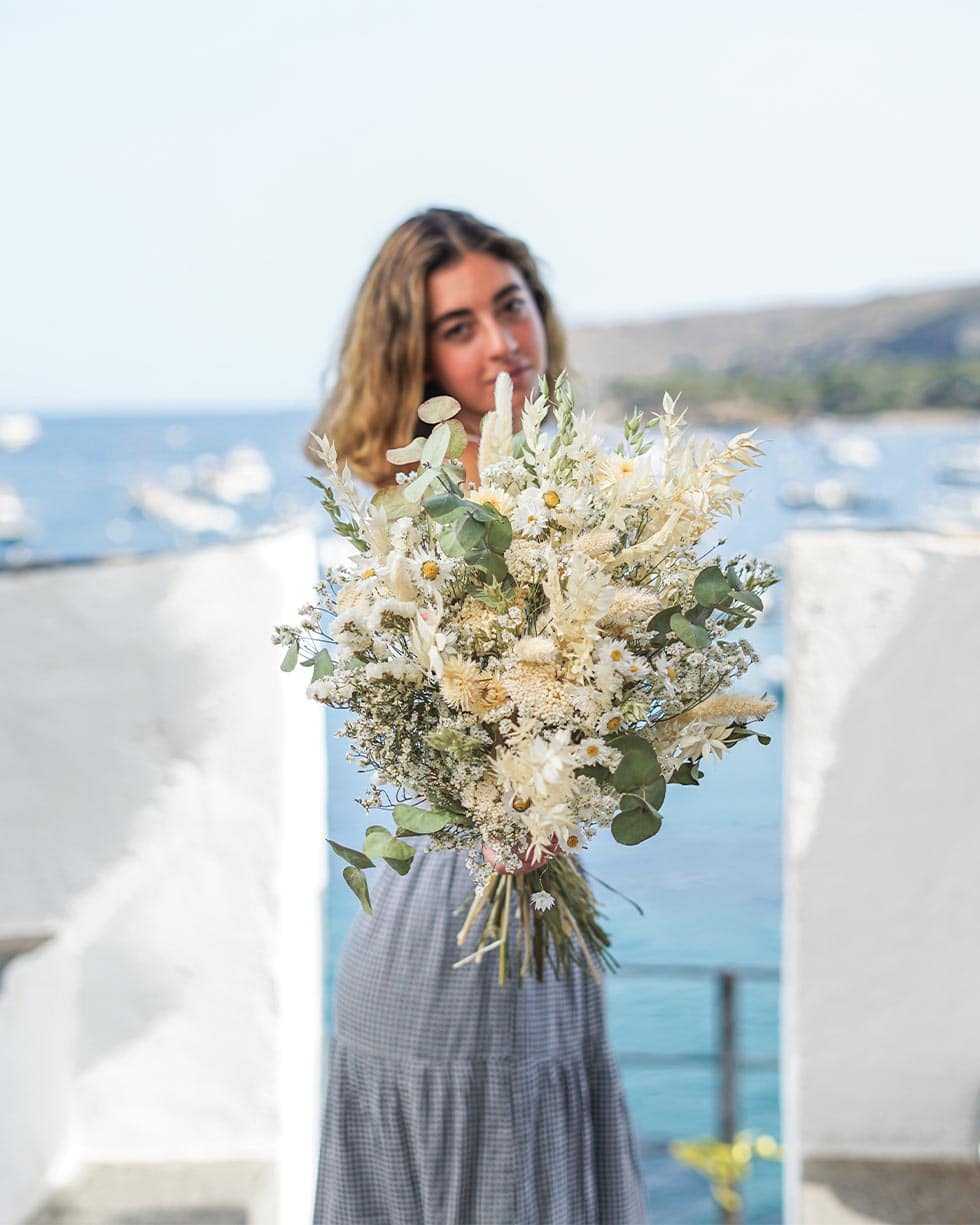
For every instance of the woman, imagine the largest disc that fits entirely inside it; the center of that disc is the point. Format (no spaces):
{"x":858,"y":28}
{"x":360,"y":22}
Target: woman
{"x":452,"y":1100}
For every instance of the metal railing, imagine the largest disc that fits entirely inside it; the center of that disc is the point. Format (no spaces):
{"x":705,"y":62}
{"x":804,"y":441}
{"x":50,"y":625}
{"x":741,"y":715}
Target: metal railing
{"x":725,"y":1057}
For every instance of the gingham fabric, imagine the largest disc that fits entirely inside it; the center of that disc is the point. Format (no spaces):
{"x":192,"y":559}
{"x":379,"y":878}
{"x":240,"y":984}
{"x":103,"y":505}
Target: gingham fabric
{"x":454,"y":1101}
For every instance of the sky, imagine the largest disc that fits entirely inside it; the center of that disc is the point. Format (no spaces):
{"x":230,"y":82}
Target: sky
{"x":192,"y":191}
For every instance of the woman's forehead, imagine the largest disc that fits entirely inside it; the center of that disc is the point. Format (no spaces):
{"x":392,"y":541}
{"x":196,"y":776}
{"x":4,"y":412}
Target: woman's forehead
{"x":471,"y":283}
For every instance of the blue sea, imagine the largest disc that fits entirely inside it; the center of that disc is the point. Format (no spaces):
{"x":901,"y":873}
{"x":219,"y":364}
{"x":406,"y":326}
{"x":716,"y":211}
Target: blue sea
{"x":709,"y":884}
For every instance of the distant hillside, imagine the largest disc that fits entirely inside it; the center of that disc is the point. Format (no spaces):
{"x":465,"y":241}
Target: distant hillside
{"x":916,"y":351}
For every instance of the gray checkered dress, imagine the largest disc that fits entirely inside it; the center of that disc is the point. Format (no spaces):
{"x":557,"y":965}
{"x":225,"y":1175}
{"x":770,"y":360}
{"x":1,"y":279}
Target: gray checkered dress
{"x":454,"y":1101}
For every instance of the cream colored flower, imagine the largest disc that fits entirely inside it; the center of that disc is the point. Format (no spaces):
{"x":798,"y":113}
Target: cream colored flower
{"x":499,"y":499}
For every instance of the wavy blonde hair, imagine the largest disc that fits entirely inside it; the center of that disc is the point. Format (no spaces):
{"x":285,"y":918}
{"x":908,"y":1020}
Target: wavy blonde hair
{"x":381,"y":370}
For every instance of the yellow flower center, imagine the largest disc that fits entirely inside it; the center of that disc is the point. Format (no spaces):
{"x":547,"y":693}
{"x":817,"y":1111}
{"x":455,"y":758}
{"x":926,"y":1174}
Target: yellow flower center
{"x":369,"y":573}
{"x":592,"y":751}
{"x":613,"y":723}
{"x":616,"y":654}
{"x":520,"y":805}
{"x":430,"y":570}
{"x":551,"y":499}
{"x":573,"y":841}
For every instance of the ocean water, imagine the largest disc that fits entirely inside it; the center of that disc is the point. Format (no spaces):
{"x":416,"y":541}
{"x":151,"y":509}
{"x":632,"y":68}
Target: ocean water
{"x":710,"y":883}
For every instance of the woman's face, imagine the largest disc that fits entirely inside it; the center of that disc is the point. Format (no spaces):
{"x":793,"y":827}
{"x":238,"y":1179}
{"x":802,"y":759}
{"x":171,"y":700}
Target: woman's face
{"x":482,"y":319}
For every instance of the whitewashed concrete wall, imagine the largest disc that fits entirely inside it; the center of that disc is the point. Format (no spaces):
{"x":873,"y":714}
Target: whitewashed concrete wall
{"x":882,"y":854}
{"x":163,"y":817}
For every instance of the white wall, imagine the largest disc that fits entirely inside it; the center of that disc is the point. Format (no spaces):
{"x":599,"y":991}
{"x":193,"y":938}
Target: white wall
{"x":163,"y":815}
{"x":882,"y":854}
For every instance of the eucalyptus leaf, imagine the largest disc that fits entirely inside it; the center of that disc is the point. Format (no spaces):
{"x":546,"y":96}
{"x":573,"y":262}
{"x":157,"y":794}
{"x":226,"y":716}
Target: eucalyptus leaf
{"x":691,"y":635}
{"x":323,"y":665}
{"x":357,"y":858}
{"x":490,"y":563}
{"x":290,"y":658}
{"x":434,"y":451}
{"x":749,"y":597}
{"x":660,"y":624}
{"x":410,"y":454}
{"x":469,"y":532}
{"x":380,"y":843}
{"x":687,"y":775}
{"x":438,"y":408}
{"x":401,"y":866}
{"x":358,"y":882}
{"x":711,"y":587}
{"x":637,"y":768}
{"x":416,"y":488}
{"x":419,"y":820}
{"x":636,"y":825}
{"x":394,"y":503}
{"x":449,"y":541}
{"x":444,"y":507}
{"x":457,"y":440}
{"x":499,"y":535}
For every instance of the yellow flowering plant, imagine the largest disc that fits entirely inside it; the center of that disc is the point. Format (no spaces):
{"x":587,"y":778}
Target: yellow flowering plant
{"x":532,"y":659}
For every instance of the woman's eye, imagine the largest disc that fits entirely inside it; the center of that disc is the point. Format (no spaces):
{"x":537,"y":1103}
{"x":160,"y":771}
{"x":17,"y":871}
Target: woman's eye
{"x":456,"y":332}
{"x":514,"y":307}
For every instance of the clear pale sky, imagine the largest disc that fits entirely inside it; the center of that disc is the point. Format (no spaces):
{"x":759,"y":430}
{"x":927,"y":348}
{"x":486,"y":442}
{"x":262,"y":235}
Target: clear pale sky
{"x":192,"y":190}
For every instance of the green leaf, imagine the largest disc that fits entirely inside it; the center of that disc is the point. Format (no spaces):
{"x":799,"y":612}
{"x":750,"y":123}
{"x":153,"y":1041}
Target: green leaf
{"x":290,"y":658}
{"x":750,"y":598}
{"x":439,"y":408}
{"x":601,"y":774}
{"x":444,"y":507}
{"x":660,"y":624}
{"x":628,"y":740}
{"x":692,"y":635}
{"x":322,"y":664}
{"x":380,"y":843}
{"x":419,"y":820}
{"x":401,"y":866}
{"x":489,"y":563}
{"x":687,"y":775}
{"x":655,"y":793}
{"x":356,"y":858}
{"x":358,"y":882}
{"x":499,"y":534}
{"x":457,"y":440}
{"x":469,"y":532}
{"x":319,"y":484}
{"x":449,"y":541}
{"x":394,"y":503}
{"x":434,"y":451}
{"x":480,"y":511}
{"x":711,"y":587}
{"x":637,"y":768}
{"x":636,"y":825}
{"x":410,"y":454}
{"x":414,"y":489}
{"x":763,"y":738}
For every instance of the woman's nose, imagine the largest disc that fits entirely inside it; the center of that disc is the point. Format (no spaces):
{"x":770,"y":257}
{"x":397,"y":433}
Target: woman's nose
{"x":502,"y":339}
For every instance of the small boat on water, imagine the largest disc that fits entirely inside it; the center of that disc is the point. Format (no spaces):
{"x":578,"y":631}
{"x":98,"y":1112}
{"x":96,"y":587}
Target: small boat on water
{"x":182,"y":511}
{"x":14,"y":523}
{"x":853,"y":451}
{"x":830,"y":494}
{"x":960,"y":465}
{"x":18,"y":430}
{"x":241,"y":476}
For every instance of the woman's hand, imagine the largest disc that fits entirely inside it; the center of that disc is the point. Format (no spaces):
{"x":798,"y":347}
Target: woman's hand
{"x":532,"y":857}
